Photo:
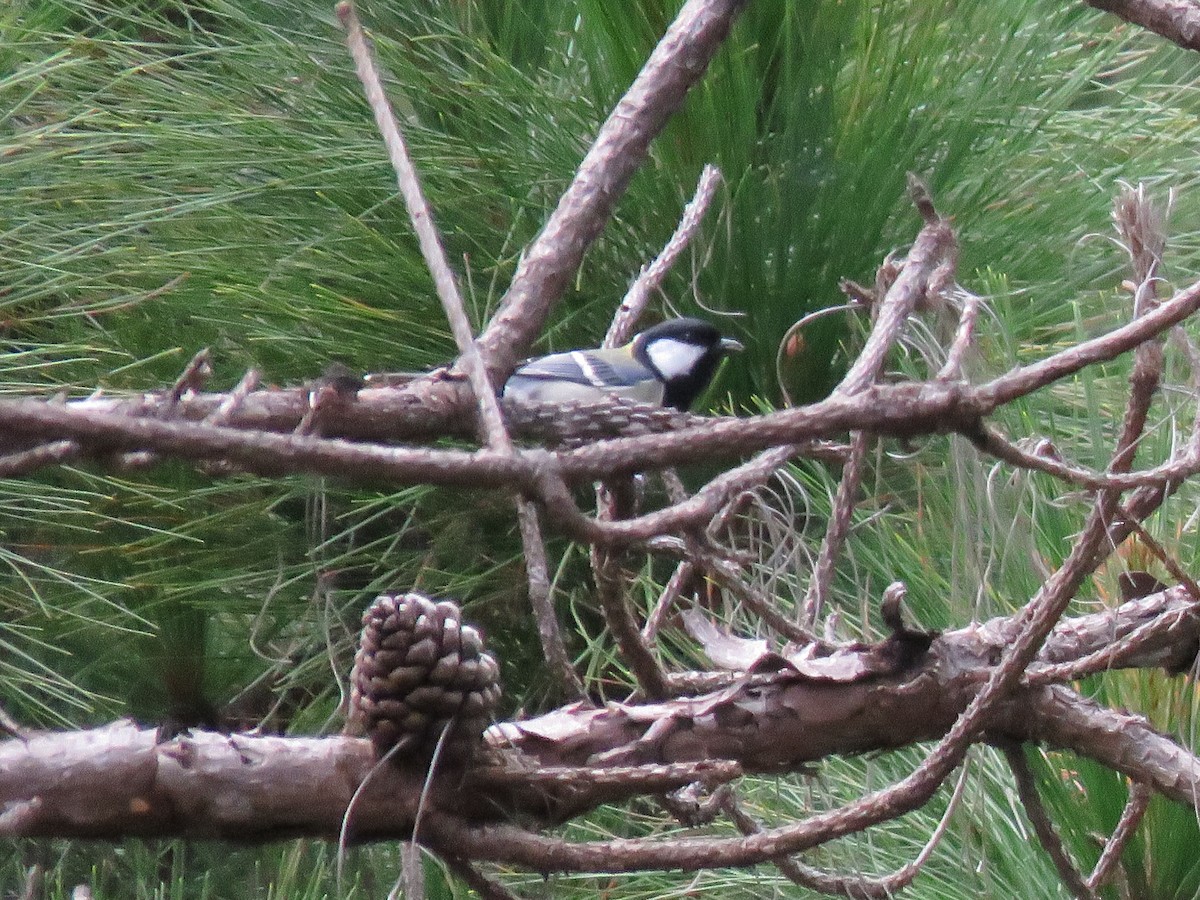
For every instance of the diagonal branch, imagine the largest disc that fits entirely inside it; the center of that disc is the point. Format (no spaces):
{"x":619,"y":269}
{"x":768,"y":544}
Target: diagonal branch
{"x":1131,"y":816}
{"x":470,"y":359}
{"x":1043,"y":826}
{"x":1176,"y":20}
{"x":620,"y":148}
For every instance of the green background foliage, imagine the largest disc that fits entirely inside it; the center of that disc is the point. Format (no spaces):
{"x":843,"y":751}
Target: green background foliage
{"x":176,"y":175}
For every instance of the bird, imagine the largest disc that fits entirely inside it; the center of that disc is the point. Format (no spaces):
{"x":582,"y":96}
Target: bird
{"x":669,"y":364}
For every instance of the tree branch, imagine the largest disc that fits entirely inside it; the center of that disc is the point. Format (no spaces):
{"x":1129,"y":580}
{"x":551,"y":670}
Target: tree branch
{"x":1176,"y":20}
{"x":620,"y":148}
{"x":118,"y":781}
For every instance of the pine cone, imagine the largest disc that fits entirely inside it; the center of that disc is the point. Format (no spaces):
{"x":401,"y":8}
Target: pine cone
{"x":418,"y":671}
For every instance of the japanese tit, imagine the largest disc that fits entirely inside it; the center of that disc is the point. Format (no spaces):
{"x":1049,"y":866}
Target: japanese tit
{"x":670,"y":364}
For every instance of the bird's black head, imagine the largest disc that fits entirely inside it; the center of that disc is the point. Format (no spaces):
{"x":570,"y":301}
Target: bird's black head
{"x":684,"y":353}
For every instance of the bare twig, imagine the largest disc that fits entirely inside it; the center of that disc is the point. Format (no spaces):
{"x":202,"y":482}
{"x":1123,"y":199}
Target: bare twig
{"x":190,"y":380}
{"x":611,"y":585}
{"x":933,"y":248}
{"x":538,"y":576}
{"x":1042,"y":826}
{"x":1110,"y":656}
{"x":652,"y":275}
{"x":1172,"y":565}
{"x":1131,"y":816}
{"x":702,"y":554}
{"x":933,"y":244}
{"x":55,"y":453}
{"x":470,"y":359}
{"x":860,"y":887}
{"x":236,"y":398}
{"x":963,"y":337}
{"x":645,"y":778}
{"x":821,"y":580}
{"x":607,"y":570}
{"x":671,"y":592}
{"x":1045,"y":458}
{"x":427,"y":237}
{"x":904,"y":409}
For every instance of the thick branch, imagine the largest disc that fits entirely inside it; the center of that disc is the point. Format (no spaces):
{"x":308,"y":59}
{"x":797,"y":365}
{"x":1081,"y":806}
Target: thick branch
{"x":1176,"y":20}
{"x":115,"y":781}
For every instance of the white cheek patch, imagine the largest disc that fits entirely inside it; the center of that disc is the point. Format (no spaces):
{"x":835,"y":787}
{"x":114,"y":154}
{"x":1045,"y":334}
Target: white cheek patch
{"x":674,"y":358}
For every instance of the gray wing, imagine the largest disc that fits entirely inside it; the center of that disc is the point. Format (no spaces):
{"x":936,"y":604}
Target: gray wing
{"x":583,"y":376}
{"x":555,"y":367}
{"x":598,"y":370}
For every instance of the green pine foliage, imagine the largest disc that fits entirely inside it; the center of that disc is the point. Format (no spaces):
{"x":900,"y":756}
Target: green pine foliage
{"x":177,"y":174}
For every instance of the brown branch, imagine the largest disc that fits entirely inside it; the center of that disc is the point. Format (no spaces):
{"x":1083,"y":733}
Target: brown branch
{"x":25,"y":462}
{"x":1131,"y":816}
{"x":119,"y":781}
{"x":1121,"y":741}
{"x":652,"y":275}
{"x":421,"y":216}
{"x":1176,"y":20}
{"x":490,"y":418}
{"x":620,"y":148}
{"x":1044,"y":458}
{"x":859,"y":887}
{"x":903,"y":409}
{"x":837,"y":530}
{"x":608,"y":573}
{"x":1027,"y":379}
{"x":390,"y":413}
{"x":537,"y":573}
{"x":934,"y":246}
{"x":611,"y":584}
{"x":1043,"y":827}
{"x":964,"y":336}
{"x":704,"y":556}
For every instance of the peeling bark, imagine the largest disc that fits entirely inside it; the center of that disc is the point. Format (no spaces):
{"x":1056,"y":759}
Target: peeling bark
{"x":115,"y":781}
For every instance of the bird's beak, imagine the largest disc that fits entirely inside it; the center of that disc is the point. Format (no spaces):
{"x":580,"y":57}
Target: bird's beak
{"x":729,"y":345}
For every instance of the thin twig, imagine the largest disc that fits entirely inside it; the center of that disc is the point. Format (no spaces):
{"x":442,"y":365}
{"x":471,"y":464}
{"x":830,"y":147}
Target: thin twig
{"x":190,"y":381}
{"x":430,"y":243}
{"x":836,"y":532}
{"x":861,"y":887}
{"x":930,"y":256}
{"x":611,"y":590}
{"x":1045,"y":458}
{"x":491,"y":420}
{"x":1112,"y":654}
{"x":671,"y":592}
{"x":235,"y":399}
{"x":1131,"y":817}
{"x":652,"y":275}
{"x":537,"y":574}
{"x":55,"y":453}
{"x":933,"y":244}
{"x":963,"y":338}
{"x":1042,"y":825}
{"x":607,"y":570}
{"x":1172,"y":565}
{"x":706,"y":557}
